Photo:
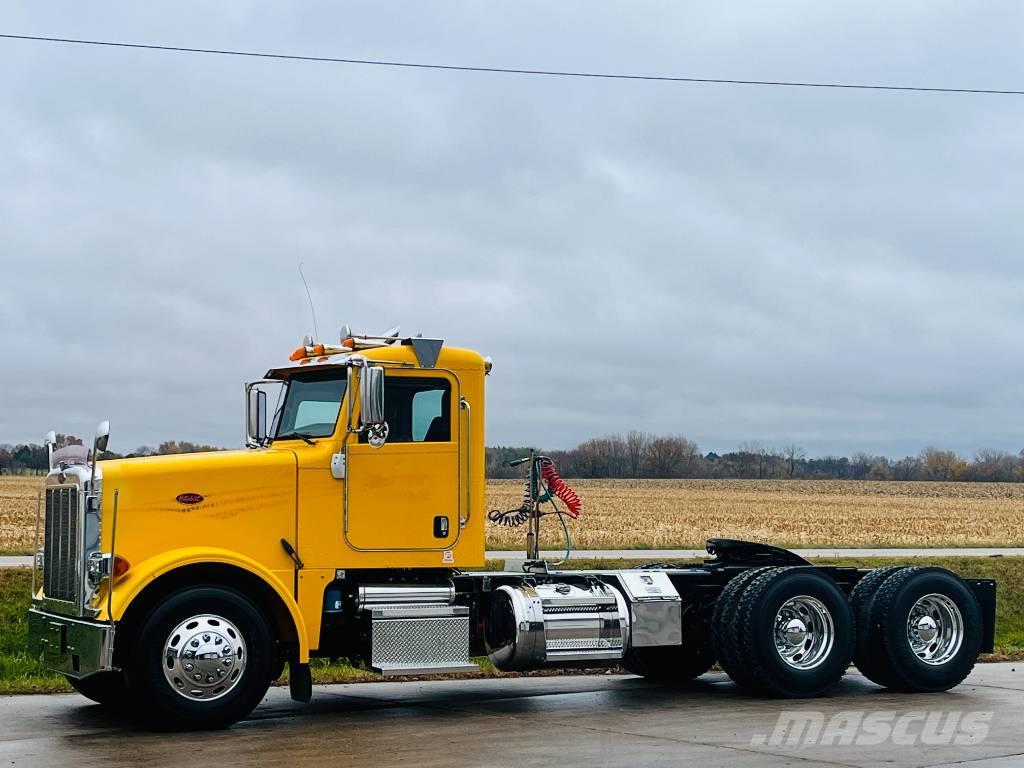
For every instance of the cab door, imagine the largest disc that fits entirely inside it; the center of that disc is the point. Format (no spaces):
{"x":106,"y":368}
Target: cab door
{"x":405,"y":494}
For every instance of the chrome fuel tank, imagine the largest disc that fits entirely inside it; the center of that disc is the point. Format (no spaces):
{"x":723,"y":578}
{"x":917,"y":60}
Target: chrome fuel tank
{"x":534,"y":625}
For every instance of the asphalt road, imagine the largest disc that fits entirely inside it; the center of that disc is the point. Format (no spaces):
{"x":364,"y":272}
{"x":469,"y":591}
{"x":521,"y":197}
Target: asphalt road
{"x":658,"y":555}
{"x":600,"y":720}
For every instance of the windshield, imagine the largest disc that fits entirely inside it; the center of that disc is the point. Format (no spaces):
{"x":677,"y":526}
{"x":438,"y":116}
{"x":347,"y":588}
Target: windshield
{"x":311,"y":404}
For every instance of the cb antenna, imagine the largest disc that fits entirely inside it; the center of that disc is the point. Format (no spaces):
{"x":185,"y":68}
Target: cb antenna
{"x":312,"y":310}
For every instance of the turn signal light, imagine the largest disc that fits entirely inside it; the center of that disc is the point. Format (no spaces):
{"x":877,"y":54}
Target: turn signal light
{"x":121,"y":566}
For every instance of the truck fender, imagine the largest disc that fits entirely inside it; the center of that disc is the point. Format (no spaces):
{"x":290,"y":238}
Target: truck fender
{"x":141,"y":575}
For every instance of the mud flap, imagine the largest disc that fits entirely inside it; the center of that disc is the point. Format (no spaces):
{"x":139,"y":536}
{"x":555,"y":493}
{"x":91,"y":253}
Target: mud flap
{"x":300,"y":682}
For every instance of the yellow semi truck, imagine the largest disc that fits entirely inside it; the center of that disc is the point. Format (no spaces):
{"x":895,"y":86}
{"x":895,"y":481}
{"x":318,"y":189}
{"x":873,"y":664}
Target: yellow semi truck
{"x":353,"y":525}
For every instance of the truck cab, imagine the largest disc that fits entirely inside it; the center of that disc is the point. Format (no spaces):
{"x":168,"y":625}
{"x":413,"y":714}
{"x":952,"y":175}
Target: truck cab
{"x":317,"y":492}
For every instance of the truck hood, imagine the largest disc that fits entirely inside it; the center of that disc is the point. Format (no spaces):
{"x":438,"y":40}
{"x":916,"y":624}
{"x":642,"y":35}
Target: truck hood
{"x":162,"y":495}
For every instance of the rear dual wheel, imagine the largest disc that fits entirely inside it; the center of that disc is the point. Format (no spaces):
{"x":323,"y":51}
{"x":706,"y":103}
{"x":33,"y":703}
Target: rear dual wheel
{"x":919,"y":628}
{"x":784,"y":631}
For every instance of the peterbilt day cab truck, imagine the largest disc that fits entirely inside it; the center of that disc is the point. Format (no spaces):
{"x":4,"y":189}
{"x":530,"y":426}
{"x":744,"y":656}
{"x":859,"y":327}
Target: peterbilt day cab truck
{"x":179,"y":587}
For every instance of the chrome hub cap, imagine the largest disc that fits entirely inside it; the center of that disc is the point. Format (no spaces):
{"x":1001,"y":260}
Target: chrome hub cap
{"x":935,"y":629}
{"x":795,"y":632}
{"x":804,"y":632}
{"x":204,"y":657}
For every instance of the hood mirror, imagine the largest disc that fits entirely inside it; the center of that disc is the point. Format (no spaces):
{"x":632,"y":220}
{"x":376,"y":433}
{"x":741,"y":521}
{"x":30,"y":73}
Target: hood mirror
{"x":99,"y":443}
{"x":256,"y":416}
{"x":50,"y":441}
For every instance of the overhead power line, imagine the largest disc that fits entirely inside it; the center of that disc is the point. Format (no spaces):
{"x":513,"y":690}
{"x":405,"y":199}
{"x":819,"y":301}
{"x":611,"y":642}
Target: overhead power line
{"x":511,"y":70}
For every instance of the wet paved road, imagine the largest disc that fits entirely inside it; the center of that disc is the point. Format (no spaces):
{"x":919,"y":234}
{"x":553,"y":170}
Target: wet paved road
{"x":598,"y":720}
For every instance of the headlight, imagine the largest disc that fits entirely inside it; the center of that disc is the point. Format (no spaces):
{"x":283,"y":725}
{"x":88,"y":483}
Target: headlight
{"x":98,"y":568}
{"x":100,"y":564}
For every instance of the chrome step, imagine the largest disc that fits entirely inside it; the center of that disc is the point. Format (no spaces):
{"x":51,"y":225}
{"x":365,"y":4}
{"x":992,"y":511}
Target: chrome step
{"x":420,"y":639}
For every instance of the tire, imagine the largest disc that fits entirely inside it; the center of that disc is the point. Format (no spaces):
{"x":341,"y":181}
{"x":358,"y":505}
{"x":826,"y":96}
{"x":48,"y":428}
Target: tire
{"x":934,"y":651}
{"x":868,"y":662}
{"x":106,"y":688}
{"x":187,"y":635}
{"x":805,"y":661}
{"x":723,"y":639}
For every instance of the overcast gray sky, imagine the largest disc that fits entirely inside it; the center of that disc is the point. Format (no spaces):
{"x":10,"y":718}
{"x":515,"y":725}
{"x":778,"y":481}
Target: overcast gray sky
{"x":837,"y":268}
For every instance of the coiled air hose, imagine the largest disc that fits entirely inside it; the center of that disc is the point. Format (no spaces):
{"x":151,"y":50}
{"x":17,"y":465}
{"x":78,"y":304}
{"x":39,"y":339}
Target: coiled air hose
{"x":554,"y":486}
{"x":513,"y":518}
{"x":560,"y":488}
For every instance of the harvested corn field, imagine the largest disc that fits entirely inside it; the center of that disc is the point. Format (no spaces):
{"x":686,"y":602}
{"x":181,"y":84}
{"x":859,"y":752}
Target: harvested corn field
{"x":683,"y":513}
{"x":18,"y":497}
{"x":794,"y":513}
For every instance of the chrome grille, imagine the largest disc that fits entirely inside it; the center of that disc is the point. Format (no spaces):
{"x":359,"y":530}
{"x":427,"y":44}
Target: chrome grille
{"x":61,"y":546}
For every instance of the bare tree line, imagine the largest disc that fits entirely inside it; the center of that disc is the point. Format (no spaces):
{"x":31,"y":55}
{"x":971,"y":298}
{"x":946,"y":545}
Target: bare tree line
{"x":643,"y":455}
{"x":31,"y":458}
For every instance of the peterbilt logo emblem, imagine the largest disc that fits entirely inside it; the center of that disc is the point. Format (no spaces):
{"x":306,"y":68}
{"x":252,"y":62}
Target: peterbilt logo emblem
{"x":189,"y":498}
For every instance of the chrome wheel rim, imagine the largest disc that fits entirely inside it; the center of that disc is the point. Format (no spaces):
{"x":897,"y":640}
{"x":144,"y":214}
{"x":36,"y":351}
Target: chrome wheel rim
{"x":804,"y":632}
{"x":935,"y":629}
{"x":204,"y":657}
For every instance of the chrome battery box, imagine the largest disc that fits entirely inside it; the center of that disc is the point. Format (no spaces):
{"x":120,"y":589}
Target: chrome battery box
{"x":655,"y":608}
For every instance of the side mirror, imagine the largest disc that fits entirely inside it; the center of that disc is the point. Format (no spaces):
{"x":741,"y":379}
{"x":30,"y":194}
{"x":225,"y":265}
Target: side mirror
{"x":371,"y":396}
{"x":256,"y":416}
{"x":99,"y":443}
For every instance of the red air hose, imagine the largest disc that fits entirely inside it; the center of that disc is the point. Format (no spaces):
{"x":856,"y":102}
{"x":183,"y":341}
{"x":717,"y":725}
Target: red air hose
{"x":558,"y":486}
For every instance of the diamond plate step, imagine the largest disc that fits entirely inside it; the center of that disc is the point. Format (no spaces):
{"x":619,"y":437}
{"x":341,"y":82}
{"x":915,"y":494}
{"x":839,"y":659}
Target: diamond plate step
{"x":420,"y":639}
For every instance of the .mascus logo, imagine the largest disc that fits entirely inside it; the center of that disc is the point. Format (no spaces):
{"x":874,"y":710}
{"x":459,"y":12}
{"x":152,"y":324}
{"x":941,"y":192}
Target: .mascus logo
{"x":189,"y":498}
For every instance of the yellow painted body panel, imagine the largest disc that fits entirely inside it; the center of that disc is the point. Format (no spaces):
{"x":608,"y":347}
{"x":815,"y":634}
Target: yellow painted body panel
{"x":254,"y":498}
{"x":397,"y":490}
{"x":248,"y":505}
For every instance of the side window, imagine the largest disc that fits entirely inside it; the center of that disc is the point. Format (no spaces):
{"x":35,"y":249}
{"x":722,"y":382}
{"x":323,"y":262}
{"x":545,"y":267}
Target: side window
{"x":428,"y":416}
{"x":417,"y":409}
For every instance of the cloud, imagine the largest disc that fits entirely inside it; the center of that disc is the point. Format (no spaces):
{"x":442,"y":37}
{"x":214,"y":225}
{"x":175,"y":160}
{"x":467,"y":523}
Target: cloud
{"x":837,"y":268}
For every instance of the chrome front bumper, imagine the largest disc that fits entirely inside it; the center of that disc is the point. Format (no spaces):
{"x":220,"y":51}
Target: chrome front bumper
{"x":75,"y":647}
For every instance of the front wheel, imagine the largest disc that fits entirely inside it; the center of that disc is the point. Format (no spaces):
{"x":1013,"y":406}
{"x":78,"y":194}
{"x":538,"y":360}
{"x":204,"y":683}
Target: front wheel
{"x":204,"y":659}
